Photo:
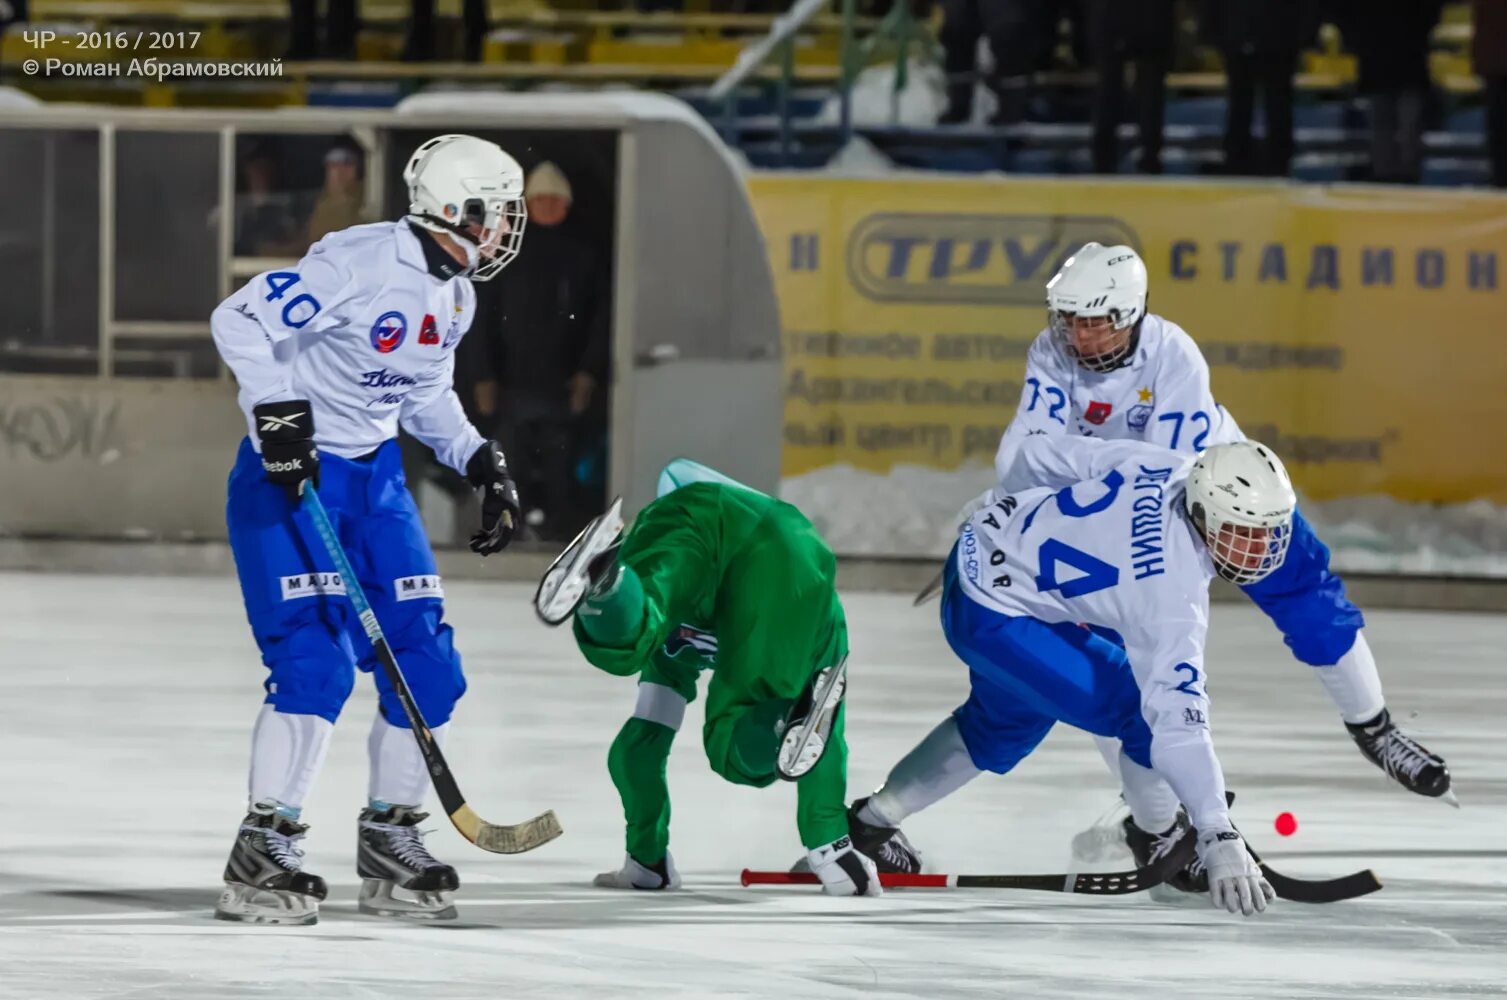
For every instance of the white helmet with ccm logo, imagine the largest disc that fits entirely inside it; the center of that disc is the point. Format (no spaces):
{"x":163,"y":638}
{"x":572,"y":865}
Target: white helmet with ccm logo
{"x":1098,"y":281}
{"x":469,"y":189}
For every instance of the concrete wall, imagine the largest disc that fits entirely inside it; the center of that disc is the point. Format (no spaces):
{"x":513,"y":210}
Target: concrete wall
{"x":91,"y":458}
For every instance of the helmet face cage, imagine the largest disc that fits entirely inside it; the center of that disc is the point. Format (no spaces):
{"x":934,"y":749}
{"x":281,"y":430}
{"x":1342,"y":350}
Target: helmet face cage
{"x":500,"y":223}
{"x":1061,"y":323}
{"x":1243,"y":553}
{"x":465,"y":200}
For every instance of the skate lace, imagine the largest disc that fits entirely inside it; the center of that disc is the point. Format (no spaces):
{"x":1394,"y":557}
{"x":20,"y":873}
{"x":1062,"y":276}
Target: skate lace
{"x":407,"y":844}
{"x":1400,"y":755}
{"x":896,"y":855}
{"x":281,"y":847}
{"x":1164,"y":846}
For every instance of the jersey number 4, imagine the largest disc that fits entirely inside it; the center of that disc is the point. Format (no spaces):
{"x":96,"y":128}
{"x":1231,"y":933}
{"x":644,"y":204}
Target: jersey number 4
{"x":298,"y":310}
{"x":1097,"y":574}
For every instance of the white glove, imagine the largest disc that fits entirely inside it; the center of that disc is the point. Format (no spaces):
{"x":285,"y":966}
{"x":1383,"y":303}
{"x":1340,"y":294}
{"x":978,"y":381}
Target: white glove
{"x":636,"y":876}
{"x":843,"y":871}
{"x":1235,"y":880}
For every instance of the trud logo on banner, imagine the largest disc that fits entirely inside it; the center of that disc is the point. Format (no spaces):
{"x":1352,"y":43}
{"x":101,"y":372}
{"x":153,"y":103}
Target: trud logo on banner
{"x":982,"y":259}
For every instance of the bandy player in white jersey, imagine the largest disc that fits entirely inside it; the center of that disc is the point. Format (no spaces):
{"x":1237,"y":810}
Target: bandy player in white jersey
{"x":331,"y":356}
{"x":1106,"y":369}
{"x":1124,"y":536}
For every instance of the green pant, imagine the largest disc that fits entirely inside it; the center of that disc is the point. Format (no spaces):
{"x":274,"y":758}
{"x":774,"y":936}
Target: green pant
{"x":751,"y":571}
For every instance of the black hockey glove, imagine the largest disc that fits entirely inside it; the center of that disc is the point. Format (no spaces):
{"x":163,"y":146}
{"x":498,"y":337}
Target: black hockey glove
{"x":488,"y":472}
{"x":286,"y":431}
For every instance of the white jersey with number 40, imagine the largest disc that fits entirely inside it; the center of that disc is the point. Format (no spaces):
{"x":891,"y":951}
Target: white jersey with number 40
{"x":1104,"y":541}
{"x":362,"y":330}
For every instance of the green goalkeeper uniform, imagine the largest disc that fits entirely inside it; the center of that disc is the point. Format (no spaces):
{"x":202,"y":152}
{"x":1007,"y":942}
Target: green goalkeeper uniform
{"x":719,"y":577}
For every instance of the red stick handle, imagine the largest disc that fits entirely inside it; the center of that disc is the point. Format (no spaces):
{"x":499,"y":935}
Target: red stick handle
{"x":890,"y":880}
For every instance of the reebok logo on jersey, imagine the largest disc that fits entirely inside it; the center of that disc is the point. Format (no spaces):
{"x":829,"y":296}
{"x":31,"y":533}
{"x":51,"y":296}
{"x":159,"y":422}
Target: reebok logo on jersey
{"x":271,"y":424}
{"x":412,"y":588}
{"x":312,"y":585}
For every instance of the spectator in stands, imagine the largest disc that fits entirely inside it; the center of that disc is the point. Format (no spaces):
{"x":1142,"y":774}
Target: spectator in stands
{"x":265,"y":222}
{"x":1022,"y":38}
{"x":1260,"y":41}
{"x":341,"y":202}
{"x":419,"y":45}
{"x":1140,"y":34}
{"x":340,"y":25}
{"x":1488,"y":53}
{"x":1391,"y":42}
{"x":543,"y":359}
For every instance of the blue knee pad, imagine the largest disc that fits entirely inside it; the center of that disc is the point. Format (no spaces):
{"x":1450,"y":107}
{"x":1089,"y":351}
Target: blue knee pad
{"x":424,"y":647}
{"x":311,"y":666}
{"x":1307,"y":601}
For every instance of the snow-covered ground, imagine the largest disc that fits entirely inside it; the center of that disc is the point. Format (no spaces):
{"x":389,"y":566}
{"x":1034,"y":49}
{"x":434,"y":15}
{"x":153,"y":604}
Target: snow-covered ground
{"x":128,"y":705}
{"x":917,"y":517}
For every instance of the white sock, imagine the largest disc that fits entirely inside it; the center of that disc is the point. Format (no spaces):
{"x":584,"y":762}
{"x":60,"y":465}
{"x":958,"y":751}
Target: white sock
{"x":398,"y":775}
{"x":1353,"y":684}
{"x":287,"y":752}
{"x":1153,"y":805}
{"x":937,"y":767}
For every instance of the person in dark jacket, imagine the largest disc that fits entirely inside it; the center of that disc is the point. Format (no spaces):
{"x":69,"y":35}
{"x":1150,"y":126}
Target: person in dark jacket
{"x":541,"y":368}
{"x":341,"y":23}
{"x":1260,"y":41}
{"x":1488,"y":55}
{"x":1022,"y":37}
{"x":1391,"y":42}
{"x":1140,"y":34}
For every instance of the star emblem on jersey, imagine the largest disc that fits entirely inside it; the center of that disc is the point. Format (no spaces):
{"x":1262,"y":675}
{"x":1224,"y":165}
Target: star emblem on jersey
{"x":1145,"y":393}
{"x":388,"y":332}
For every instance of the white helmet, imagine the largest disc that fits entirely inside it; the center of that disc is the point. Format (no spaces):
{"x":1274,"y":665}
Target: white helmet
{"x":1239,"y":496}
{"x":1099,"y":282}
{"x":470,"y":189}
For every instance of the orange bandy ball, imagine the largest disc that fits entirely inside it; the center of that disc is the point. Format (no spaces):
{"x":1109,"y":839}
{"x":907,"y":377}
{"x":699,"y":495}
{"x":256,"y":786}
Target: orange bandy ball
{"x":1287,"y":824}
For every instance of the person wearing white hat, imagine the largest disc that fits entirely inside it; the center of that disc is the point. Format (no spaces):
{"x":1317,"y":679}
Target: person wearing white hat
{"x":543,"y":367}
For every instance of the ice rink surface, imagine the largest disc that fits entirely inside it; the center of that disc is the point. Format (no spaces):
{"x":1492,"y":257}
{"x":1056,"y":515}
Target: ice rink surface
{"x":128,"y":704}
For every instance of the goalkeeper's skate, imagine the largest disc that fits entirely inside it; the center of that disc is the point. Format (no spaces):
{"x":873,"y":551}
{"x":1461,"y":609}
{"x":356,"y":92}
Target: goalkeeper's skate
{"x":1404,"y":759}
{"x":264,"y":879}
{"x":399,"y":877}
{"x":587,"y":563}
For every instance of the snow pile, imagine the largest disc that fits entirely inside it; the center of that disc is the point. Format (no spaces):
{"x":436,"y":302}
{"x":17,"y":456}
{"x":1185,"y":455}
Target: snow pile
{"x":912,"y":511}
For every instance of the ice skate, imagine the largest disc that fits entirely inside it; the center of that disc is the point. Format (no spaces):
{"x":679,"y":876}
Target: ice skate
{"x":1404,"y":759}
{"x":581,"y":567}
{"x":810,"y":722}
{"x":634,"y":875}
{"x":399,"y":877}
{"x":264,"y":879}
{"x":1148,"y":847}
{"x":886,"y":846}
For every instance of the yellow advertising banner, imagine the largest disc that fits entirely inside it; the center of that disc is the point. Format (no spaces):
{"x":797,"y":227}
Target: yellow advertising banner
{"x":1360,"y":331}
